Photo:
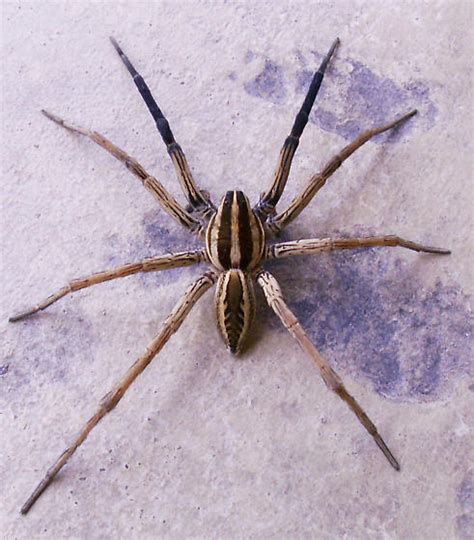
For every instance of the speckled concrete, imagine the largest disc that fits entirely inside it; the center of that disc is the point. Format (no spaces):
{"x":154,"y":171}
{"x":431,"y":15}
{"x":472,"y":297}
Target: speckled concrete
{"x":204,"y":445}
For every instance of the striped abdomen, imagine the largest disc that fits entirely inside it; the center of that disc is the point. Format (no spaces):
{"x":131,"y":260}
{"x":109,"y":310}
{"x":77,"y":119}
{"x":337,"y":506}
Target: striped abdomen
{"x":235,"y":307}
{"x":235,"y":237}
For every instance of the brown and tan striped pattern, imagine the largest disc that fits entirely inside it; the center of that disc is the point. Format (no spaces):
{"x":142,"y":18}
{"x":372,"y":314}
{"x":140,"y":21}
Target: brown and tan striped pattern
{"x":275,"y":300}
{"x":154,"y":264}
{"x":197,"y":198}
{"x":235,"y":244}
{"x":235,"y":307}
{"x":169,"y":203}
{"x":235,"y":237}
{"x":110,"y":400}
{"x":199,"y":201}
{"x":267,"y":203}
{"x":317,"y":245}
{"x":278,"y":222}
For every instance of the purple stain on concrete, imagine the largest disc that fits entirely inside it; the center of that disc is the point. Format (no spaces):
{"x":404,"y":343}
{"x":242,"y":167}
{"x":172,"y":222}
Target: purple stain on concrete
{"x":364,"y":99}
{"x":303,"y":80}
{"x":420,"y":96}
{"x":370,"y":316}
{"x":269,"y":83}
{"x":54,"y":343}
{"x":160,"y":235}
{"x":4,"y":369}
{"x":371,"y":100}
{"x":373,"y":96}
{"x":249,"y":57}
{"x":161,"y":239}
{"x":328,"y":121}
{"x":465,"y":499}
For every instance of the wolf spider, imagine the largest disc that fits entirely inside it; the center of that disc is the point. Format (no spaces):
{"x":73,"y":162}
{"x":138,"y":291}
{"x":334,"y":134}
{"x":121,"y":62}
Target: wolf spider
{"x":235,"y":236}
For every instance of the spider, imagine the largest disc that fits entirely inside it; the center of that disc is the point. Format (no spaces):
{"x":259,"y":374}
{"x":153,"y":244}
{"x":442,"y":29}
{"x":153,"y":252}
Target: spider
{"x":235,"y":236}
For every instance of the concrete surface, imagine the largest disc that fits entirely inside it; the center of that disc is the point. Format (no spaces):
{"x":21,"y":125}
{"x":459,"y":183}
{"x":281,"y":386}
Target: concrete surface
{"x":204,"y":445}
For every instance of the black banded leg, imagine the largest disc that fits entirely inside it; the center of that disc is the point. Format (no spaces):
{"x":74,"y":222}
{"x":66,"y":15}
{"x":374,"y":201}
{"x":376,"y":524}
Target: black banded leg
{"x":316,"y":245}
{"x":269,"y":200}
{"x":199,"y":200}
{"x":275,"y":300}
{"x":170,"y":205}
{"x":278,"y":222}
{"x":110,"y":400}
{"x":154,"y":264}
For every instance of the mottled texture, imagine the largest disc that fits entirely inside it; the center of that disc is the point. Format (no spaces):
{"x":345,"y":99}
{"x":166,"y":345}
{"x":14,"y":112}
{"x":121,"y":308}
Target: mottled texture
{"x":366,"y":98}
{"x":204,"y":445}
{"x":268,"y":84}
{"x":465,"y":520}
{"x":366,"y":309}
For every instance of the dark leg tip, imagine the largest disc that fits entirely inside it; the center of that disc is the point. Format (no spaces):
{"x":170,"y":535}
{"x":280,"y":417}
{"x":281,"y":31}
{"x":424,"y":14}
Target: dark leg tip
{"x":22,"y":315}
{"x":16,"y":318}
{"x":408,"y":116}
{"x":121,"y":53}
{"x":437,"y":251}
{"x":115,"y":44}
{"x":51,"y":116}
{"x":334,"y":46}
{"x":401,"y":120}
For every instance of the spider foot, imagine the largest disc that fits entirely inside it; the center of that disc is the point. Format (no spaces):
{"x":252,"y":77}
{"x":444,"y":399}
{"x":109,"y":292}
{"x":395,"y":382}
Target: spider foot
{"x":386,"y":451}
{"x":425,"y":249}
{"x":22,"y":315}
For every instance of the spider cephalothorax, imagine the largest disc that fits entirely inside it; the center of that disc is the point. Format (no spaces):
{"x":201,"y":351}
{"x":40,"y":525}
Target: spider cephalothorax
{"x":235,"y":237}
{"x":235,"y":248}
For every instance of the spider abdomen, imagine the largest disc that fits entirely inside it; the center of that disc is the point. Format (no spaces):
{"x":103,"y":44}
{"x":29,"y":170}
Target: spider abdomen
{"x":235,"y":307}
{"x":235,"y":237}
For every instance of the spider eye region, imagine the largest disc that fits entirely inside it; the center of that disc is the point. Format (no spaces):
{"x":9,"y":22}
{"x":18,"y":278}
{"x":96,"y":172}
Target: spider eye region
{"x":235,"y":237}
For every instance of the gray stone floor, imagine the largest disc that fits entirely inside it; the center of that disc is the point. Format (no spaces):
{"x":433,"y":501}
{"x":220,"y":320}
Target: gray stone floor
{"x":204,"y":445}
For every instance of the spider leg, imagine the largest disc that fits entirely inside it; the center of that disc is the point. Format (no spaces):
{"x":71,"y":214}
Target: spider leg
{"x":199,"y":200}
{"x":164,"y":262}
{"x":268,"y":200}
{"x":278,"y":222}
{"x":110,"y":400}
{"x":316,"y":245}
{"x":275,"y":300}
{"x":170,"y":205}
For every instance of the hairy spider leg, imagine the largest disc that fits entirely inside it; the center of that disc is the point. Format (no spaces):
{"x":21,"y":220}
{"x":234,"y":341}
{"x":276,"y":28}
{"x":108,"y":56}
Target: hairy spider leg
{"x":156,"y":188}
{"x":268,"y":201}
{"x":277,"y":222}
{"x":154,"y":264}
{"x":198,"y":199}
{"x":311,"y":246}
{"x":110,"y":400}
{"x":275,"y":300}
